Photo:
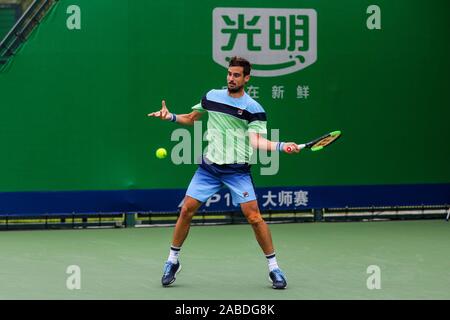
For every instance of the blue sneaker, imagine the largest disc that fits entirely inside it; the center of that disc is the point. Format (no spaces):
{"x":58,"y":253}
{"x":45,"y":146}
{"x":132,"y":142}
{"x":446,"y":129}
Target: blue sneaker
{"x":278,"y":279}
{"x":170,"y":272}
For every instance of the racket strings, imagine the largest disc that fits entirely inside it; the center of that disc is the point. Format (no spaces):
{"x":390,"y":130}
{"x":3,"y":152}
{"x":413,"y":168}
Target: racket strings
{"x":326,"y":141}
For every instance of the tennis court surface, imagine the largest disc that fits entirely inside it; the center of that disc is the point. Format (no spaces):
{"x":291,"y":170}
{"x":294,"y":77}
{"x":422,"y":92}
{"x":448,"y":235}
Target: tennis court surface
{"x":321,"y":261}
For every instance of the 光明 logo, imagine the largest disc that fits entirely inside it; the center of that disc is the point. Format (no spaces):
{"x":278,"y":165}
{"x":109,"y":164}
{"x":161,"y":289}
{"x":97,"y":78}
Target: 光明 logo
{"x":276,"y":41}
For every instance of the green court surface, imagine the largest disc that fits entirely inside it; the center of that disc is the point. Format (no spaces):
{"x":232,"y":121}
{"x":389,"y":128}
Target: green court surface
{"x":321,"y":261}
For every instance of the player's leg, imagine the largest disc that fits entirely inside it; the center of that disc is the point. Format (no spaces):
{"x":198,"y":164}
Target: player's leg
{"x":263,"y":236}
{"x":243,"y":193}
{"x":262,"y":232}
{"x":188,"y":210}
{"x":203,"y":185}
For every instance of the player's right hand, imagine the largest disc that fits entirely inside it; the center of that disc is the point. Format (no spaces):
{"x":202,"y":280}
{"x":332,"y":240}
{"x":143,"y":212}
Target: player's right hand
{"x":291,"y":147}
{"x":164,"y":113}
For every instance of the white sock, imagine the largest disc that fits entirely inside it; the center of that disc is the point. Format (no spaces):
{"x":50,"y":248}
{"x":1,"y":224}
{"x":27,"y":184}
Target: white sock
{"x":173,"y":254}
{"x":272,"y":261}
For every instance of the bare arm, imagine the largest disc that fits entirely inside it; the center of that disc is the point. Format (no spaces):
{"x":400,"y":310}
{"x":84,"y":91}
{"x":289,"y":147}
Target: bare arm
{"x":189,"y":118}
{"x":186,"y":119}
{"x":259,"y":142}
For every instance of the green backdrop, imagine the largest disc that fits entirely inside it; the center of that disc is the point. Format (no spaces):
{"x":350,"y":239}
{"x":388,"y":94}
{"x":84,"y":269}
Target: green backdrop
{"x":73,"y":103}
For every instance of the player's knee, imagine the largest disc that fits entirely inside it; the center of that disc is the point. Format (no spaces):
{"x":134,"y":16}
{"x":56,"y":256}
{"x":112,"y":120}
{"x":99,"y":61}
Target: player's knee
{"x":254,"y":218}
{"x":187,"y":212}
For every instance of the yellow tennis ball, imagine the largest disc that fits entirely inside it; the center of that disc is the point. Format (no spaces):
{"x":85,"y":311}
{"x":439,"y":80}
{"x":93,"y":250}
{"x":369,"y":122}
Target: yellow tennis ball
{"x":161,"y":153}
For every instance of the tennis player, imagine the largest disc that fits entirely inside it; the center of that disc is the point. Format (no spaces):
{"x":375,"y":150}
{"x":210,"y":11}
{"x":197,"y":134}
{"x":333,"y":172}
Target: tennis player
{"x":230,"y":110}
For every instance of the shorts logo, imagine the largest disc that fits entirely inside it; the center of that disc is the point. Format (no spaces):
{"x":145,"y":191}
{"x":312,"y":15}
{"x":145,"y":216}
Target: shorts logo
{"x":240,"y":112}
{"x":276,"y":41}
{"x":245,"y":194}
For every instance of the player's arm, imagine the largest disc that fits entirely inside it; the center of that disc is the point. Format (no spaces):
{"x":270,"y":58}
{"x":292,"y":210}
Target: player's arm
{"x":186,"y":119}
{"x":259,"y":142}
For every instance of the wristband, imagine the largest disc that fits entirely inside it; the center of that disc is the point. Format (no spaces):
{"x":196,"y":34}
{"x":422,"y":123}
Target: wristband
{"x":174,"y":117}
{"x":280,"y":146}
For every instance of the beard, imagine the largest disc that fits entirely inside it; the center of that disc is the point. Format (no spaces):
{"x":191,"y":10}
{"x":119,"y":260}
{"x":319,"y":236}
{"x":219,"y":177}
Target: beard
{"x":235,"y":89}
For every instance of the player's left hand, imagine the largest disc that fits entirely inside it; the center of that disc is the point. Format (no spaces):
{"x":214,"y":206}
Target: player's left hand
{"x":163,"y":114}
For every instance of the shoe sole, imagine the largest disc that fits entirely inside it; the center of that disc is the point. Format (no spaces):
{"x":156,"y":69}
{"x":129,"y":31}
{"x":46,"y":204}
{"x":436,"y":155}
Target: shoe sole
{"x":273,"y":287}
{"x":174,"y":277}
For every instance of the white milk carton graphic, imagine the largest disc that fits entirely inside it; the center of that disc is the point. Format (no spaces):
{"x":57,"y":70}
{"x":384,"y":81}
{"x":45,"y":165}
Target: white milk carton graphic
{"x":275,"y":41}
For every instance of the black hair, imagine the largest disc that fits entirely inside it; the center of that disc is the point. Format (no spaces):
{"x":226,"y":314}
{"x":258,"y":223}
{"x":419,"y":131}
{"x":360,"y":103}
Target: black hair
{"x":241,"y":62}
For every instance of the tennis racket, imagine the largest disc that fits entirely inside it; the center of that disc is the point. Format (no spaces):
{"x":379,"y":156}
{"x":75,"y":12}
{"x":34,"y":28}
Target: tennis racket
{"x":321,"y":142}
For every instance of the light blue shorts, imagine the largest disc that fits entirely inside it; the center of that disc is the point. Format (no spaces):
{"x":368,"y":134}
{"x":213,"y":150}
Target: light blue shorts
{"x":210,"y":178}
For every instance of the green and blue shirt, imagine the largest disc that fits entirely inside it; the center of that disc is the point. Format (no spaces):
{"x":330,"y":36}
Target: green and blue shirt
{"x":229,"y":122}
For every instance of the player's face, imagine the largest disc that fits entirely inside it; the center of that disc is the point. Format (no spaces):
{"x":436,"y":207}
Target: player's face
{"x":236,"y":79}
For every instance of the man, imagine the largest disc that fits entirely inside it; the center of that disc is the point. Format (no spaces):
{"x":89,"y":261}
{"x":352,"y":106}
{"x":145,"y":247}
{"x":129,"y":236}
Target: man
{"x":231,"y":112}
